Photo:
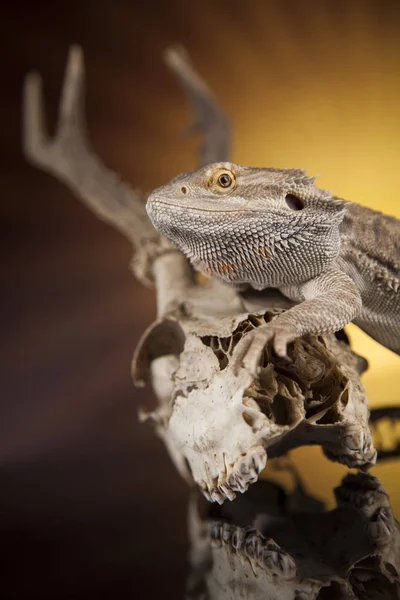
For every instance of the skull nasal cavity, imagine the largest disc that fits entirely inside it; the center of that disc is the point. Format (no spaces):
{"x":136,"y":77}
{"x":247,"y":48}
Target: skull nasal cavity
{"x":184,"y":189}
{"x":294,"y":202}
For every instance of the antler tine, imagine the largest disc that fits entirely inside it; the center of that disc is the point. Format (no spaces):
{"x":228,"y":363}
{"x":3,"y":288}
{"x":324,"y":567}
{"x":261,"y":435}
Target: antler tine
{"x":72,"y":96}
{"x":207,"y":115}
{"x":33,"y":130}
{"x":69,"y":156}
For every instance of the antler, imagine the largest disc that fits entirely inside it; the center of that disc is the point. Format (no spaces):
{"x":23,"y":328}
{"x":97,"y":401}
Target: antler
{"x":208,"y":118}
{"x":70,"y":158}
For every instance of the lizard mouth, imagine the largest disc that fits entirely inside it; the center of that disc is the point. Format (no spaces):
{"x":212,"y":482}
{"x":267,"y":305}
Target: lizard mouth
{"x":153,"y":203}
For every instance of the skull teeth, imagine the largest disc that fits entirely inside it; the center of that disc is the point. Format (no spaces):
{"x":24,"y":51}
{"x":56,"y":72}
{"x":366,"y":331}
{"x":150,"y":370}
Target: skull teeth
{"x":227,"y":492}
{"x":278,"y":562}
{"x":265,"y":552}
{"x":227,"y":531}
{"x":254,"y":546}
{"x":238,"y":479}
{"x":216,"y":534}
{"x":238,"y":538}
{"x":217,"y":496}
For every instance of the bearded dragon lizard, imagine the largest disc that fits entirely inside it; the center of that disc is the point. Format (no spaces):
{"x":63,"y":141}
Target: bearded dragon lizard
{"x":247,"y":226}
{"x":264,"y":227}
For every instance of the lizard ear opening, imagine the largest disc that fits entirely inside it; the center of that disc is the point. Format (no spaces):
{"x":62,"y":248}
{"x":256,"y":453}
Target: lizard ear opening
{"x":294,"y":202}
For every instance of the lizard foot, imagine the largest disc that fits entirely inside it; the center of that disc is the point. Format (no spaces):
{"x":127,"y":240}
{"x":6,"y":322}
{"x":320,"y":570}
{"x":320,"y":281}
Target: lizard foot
{"x":250,"y":349}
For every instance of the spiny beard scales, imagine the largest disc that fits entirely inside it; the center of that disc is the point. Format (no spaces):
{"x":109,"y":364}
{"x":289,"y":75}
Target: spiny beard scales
{"x":244,"y":248}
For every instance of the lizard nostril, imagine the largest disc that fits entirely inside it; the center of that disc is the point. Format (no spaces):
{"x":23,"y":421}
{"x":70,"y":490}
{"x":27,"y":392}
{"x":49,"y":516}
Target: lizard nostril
{"x":184,"y":190}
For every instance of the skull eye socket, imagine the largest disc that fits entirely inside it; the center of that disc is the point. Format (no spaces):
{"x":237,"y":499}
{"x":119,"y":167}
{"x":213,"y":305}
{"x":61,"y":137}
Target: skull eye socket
{"x":294,"y":202}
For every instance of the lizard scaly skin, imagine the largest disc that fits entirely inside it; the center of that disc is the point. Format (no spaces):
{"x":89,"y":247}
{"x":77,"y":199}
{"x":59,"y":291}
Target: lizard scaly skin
{"x":274,"y":228}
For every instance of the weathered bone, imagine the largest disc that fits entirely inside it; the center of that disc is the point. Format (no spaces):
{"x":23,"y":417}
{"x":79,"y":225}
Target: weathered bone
{"x":70,"y":158}
{"x":257,"y":548}
{"x":208,"y":118}
{"x":223,"y":424}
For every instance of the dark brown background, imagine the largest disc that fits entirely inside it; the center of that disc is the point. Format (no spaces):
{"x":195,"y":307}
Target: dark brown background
{"x":89,"y":502}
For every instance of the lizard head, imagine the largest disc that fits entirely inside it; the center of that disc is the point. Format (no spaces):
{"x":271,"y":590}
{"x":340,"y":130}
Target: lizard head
{"x":250,"y":225}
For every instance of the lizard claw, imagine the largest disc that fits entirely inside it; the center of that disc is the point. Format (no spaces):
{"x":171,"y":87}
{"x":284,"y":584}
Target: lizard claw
{"x":250,"y":349}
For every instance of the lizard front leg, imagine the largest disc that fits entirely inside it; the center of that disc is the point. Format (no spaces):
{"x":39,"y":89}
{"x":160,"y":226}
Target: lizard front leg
{"x":327,"y":303}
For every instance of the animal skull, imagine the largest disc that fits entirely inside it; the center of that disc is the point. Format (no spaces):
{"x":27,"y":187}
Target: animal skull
{"x":219,"y":425}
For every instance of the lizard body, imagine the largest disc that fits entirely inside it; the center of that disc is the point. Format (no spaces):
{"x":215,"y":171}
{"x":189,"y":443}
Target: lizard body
{"x":370,"y":255}
{"x":338,"y":261}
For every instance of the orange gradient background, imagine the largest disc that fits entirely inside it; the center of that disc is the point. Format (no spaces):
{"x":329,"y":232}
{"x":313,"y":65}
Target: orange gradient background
{"x":311,"y":84}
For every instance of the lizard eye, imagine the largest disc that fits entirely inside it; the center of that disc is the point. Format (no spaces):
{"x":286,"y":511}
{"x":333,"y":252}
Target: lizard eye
{"x":294,"y":202}
{"x":222,"y":181}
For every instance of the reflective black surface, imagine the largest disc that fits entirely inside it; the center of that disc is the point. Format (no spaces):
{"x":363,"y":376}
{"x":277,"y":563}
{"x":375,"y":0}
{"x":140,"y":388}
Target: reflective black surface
{"x":267,"y":543}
